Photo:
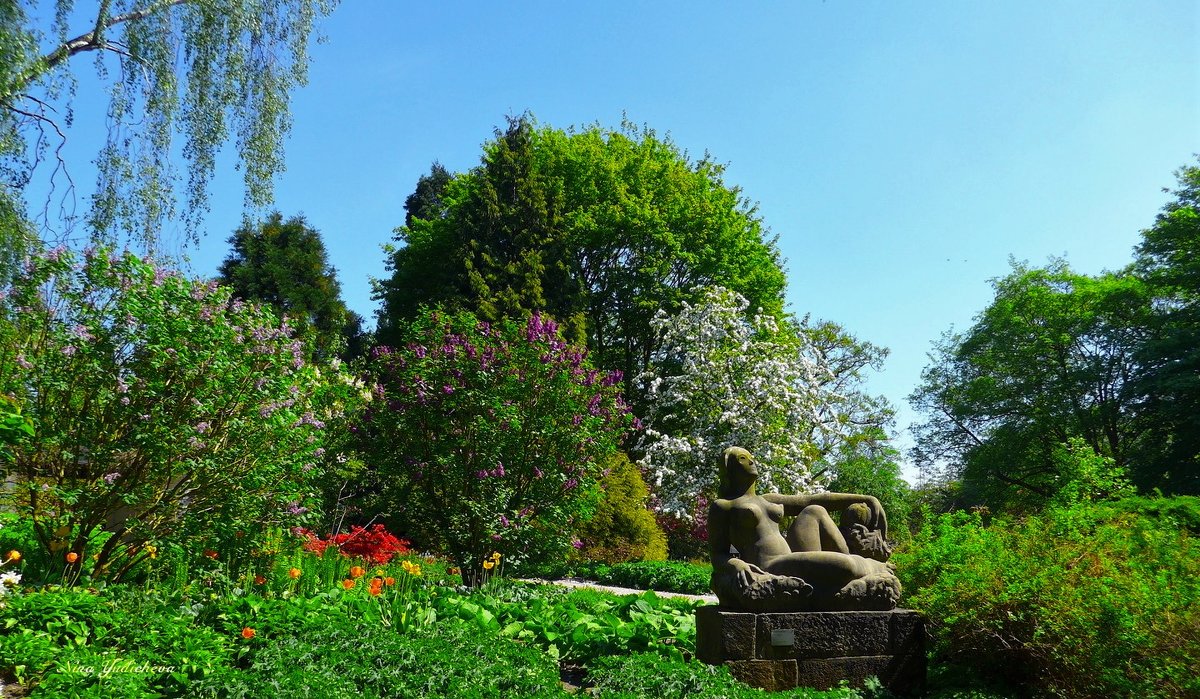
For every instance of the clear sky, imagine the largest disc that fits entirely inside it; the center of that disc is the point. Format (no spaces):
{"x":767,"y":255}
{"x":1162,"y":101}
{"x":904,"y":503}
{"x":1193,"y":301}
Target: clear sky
{"x":901,"y":151}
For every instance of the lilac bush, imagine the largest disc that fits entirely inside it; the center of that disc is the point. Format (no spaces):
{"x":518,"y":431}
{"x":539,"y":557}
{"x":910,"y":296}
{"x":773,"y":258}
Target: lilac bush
{"x":163,"y":409}
{"x":490,"y":437}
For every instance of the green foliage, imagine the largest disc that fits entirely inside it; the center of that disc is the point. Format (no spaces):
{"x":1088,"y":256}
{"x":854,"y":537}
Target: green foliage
{"x":638,"y":675}
{"x":1088,"y":476}
{"x":1168,"y":383}
{"x":667,"y":576}
{"x":876,"y":472}
{"x":1046,"y":361}
{"x":584,"y":624}
{"x":283,"y":264}
{"x":622,"y":528}
{"x":599,"y":229}
{"x":162,"y":408}
{"x":1092,"y":600}
{"x":489,"y":437}
{"x":14,"y":427}
{"x":203,"y":71}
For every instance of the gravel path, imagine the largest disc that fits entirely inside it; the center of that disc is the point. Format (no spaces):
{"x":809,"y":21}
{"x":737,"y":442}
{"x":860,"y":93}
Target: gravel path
{"x":578,"y":582}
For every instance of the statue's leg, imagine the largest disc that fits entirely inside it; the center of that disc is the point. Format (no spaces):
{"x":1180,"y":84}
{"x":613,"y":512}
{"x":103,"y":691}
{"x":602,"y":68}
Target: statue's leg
{"x":814,"y":530}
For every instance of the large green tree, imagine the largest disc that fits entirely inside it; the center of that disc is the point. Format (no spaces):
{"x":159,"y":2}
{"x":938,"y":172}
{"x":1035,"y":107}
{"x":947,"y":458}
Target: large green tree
{"x":202,"y":70}
{"x":1049,"y":360}
{"x":284,"y":264}
{"x":599,"y":228}
{"x":1168,"y":387}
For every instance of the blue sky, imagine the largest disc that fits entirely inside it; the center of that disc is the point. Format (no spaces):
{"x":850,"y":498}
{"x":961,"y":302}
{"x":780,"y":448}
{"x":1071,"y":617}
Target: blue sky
{"x":901,"y":151}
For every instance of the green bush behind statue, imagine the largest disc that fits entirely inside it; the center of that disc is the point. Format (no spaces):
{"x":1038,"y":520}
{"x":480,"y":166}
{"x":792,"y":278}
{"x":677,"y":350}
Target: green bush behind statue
{"x":622,"y":527}
{"x":1092,"y":599}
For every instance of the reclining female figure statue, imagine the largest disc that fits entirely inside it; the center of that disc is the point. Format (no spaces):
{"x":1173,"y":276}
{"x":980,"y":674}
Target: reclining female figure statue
{"x":816,"y":567}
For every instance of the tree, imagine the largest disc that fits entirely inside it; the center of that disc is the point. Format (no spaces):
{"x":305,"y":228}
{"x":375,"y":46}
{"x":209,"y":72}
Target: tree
{"x":489,"y":437}
{"x":284,"y":265}
{"x":1168,"y":384}
{"x":790,"y":393}
{"x":600,"y":229}
{"x":1050,"y":359}
{"x":204,"y":70}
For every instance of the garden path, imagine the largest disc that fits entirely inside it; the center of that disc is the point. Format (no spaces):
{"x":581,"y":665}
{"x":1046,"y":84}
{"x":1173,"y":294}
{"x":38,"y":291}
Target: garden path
{"x":579,"y":582}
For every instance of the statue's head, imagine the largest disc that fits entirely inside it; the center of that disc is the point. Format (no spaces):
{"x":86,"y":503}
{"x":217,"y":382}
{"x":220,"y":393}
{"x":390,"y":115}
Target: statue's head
{"x":736,"y":466}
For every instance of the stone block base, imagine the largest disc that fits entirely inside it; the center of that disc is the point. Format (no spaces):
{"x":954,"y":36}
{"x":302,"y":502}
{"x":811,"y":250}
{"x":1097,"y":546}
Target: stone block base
{"x":815,"y":649}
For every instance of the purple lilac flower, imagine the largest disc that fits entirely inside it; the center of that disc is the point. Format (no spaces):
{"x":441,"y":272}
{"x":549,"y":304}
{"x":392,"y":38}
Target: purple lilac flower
{"x":202,"y":427}
{"x":110,"y":477}
{"x":577,"y":544}
{"x":481,"y":475}
{"x":69,"y":350}
{"x":503,"y":521}
{"x":22,"y":362}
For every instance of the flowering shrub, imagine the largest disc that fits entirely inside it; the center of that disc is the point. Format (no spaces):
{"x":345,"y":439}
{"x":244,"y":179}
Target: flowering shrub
{"x":376,"y":544}
{"x":490,"y":437}
{"x":162,"y":407}
{"x":787,"y":393}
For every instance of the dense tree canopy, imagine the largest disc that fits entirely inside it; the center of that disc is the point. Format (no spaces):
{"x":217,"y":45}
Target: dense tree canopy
{"x":284,"y":264}
{"x":600,"y":229}
{"x":1169,"y":381}
{"x":1050,"y":359}
{"x":204,"y":70}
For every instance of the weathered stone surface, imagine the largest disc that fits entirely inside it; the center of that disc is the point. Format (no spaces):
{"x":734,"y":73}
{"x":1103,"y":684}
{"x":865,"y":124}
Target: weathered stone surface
{"x":722,"y":636}
{"x":826,"y":673}
{"x":826,"y":634}
{"x":772,"y":675}
{"x":825,"y":648}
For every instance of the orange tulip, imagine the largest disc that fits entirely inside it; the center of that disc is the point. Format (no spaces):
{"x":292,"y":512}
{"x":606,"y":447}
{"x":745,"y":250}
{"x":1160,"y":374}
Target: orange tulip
{"x":247,"y":633}
{"x":357,"y":572}
{"x":348,"y":584}
{"x":259,"y":580}
{"x":72,"y":557}
{"x":389,"y":581}
{"x":211,"y":554}
{"x":294,"y":573}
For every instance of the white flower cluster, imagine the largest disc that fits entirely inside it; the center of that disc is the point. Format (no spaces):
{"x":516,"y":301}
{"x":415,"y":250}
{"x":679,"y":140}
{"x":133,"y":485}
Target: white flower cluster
{"x":722,"y":381}
{"x":8,"y":582}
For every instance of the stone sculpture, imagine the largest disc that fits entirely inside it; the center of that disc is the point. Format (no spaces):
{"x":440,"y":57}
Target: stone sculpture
{"x":818,"y":566}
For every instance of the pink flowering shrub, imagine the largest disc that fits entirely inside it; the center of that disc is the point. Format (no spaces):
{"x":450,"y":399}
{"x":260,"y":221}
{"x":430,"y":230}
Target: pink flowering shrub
{"x":162,"y":408}
{"x":490,"y":438}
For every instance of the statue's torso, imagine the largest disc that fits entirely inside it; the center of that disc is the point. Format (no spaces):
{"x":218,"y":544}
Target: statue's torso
{"x":754,"y":528}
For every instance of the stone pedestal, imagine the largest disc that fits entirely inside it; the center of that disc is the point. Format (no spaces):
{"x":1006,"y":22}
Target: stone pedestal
{"x":815,"y":649}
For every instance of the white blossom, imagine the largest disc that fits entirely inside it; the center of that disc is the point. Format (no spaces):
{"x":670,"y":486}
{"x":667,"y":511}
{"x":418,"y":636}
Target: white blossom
{"x":789,"y":396}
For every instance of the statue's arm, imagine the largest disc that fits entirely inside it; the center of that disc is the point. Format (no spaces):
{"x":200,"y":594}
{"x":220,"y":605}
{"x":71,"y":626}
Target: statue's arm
{"x":794,"y":504}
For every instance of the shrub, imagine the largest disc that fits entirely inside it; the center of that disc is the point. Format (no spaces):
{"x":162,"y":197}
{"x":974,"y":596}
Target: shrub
{"x":622,"y":528}
{"x":490,"y":437}
{"x":162,"y":408}
{"x":667,"y":576}
{"x":1091,"y":600}
{"x":375,"y":545}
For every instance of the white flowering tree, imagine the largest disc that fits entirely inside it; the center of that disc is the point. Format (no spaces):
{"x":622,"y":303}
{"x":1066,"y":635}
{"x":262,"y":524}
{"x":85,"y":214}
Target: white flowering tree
{"x":788,"y":391}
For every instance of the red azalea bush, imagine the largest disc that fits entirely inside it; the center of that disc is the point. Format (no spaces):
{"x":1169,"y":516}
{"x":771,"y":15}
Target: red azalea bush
{"x":376,"y":544}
